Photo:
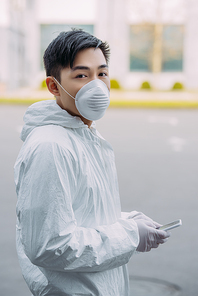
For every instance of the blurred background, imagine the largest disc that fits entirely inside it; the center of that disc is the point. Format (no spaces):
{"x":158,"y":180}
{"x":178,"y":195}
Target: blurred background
{"x":153,"y":42}
{"x":153,"y":65}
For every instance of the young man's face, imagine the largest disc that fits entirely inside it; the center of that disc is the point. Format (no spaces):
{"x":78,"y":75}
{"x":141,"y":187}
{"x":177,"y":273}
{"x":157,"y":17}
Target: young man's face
{"x":89,"y":64}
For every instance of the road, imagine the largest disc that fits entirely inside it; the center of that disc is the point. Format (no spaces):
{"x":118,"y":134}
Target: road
{"x":157,"y":163}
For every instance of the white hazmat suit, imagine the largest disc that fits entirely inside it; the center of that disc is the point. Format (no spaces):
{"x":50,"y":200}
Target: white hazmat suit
{"x":71,"y":236}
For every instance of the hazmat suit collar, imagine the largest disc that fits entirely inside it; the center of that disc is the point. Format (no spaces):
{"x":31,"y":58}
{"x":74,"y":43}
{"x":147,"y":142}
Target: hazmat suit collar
{"x":48,"y":112}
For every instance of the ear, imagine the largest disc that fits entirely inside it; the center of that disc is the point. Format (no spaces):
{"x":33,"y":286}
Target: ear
{"x":52,"y":86}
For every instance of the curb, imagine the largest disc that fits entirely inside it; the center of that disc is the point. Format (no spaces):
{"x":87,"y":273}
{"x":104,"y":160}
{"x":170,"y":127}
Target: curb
{"x":116,"y":103}
{"x":154,"y":104}
{"x":17,"y":101}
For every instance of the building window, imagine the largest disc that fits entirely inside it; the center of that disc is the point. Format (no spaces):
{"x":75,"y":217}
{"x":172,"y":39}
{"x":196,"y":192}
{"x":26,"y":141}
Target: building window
{"x":141,"y":47}
{"x":156,"y":48}
{"x":172,"y":48}
{"x":30,"y":4}
{"x":51,"y":31}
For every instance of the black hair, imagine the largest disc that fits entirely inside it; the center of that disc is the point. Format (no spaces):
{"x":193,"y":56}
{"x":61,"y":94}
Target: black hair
{"x":61,"y":52}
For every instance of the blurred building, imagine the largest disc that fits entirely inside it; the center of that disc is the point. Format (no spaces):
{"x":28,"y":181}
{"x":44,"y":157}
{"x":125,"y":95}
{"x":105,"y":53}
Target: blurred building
{"x":150,"y":40}
{"x":19,"y":50}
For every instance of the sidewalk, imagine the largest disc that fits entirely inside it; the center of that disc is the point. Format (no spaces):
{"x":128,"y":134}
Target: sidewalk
{"x":119,"y":98}
{"x":154,"y":99}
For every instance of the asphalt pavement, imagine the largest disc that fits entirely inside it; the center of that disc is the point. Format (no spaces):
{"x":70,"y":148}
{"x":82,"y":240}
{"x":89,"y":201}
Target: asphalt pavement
{"x":157,"y":162}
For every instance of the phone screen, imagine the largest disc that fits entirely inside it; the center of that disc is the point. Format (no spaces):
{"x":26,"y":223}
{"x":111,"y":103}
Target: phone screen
{"x":171,"y":225}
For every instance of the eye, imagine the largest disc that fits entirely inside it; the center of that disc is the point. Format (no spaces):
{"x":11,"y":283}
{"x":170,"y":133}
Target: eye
{"x":81,"y":76}
{"x":103,"y":74}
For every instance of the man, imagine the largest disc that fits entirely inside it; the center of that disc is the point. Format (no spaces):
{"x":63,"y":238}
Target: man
{"x":71,"y":236}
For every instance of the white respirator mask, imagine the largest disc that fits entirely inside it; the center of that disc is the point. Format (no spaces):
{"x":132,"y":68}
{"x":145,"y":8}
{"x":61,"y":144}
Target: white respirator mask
{"x":92,"y":99}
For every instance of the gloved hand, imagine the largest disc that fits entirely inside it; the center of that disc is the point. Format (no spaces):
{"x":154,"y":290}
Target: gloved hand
{"x":150,"y":237}
{"x":139,"y":215}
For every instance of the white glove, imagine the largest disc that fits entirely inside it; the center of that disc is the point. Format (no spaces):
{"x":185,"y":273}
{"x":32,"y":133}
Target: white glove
{"x":149,"y":236}
{"x":139,"y":215}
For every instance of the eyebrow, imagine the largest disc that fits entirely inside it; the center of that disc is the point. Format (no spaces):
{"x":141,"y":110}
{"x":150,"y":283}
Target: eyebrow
{"x":87,"y":68}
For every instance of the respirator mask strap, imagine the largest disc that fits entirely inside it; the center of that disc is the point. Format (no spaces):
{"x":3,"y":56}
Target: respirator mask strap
{"x":63,"y":88}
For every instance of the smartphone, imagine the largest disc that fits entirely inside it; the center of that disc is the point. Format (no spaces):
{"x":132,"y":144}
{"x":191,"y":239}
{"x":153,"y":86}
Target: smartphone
{"x":171,"y":225}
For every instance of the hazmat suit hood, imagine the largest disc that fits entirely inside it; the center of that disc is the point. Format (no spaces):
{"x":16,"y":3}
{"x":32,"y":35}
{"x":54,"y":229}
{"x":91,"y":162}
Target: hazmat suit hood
{"x":47,"y":113}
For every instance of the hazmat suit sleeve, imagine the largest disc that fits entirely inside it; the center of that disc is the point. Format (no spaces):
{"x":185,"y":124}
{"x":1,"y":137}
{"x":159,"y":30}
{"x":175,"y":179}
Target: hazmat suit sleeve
{"x":49,"y":231}
{"x":129,"y":215}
